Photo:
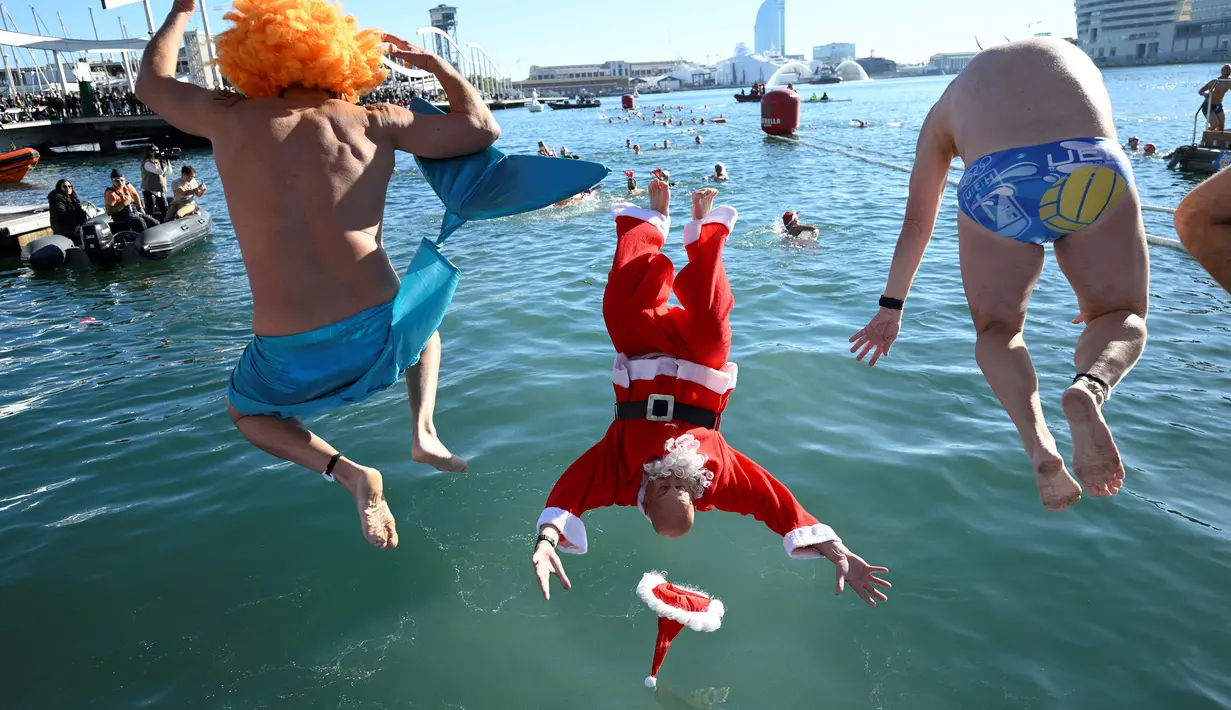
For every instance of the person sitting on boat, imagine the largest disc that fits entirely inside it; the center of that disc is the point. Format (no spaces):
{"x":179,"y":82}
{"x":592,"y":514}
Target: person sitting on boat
{"x":564,"y":151}
{"x":154,"y":171}
{"x":664,"y":453}
{"x":825,"y":96}
{"x":124,"y":206}
{"x":797,"y":229}
{"x":185,"y":190}
{"x":66,"y":211}
{"x":720,"y":173}
{"x":306,"y":172}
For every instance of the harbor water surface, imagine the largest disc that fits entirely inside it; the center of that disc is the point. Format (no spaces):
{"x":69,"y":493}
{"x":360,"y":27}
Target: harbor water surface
{"x":149,"y":557}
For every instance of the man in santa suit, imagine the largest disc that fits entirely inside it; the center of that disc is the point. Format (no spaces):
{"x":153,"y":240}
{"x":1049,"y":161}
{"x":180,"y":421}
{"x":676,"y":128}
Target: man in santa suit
{"x":663,"y":452}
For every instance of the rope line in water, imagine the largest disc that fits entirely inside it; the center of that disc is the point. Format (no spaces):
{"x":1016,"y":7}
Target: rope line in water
{"x":1150,"y":238}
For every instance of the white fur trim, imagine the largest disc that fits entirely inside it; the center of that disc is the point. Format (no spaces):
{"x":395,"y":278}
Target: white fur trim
{"x":628,"y":209}
{"x":798,"y":542}
{"x":708,"y":620}
{"x":651,"y":681}
{"x":724,"y":215}
{"x":572,"y":529}
{"x":624,"y":370}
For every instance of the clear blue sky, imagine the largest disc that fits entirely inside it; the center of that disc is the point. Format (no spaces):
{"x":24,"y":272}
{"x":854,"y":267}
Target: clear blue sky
{"x":519,"y":33}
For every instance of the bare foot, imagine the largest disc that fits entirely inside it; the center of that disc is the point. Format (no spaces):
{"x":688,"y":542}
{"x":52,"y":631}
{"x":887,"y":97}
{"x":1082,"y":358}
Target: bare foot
{"x":367,"y":487}
{"x":660,"y":196}
{"x":1096,"y":460}
{"x":703,"y":202}
{"x":426,"y":448}
{"x":1057,"y":489}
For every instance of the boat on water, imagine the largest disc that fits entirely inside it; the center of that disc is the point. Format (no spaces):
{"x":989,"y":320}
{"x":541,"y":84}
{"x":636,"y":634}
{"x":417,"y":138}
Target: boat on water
{"x":15,"y":164}
{"x":747,"y":98}
{"x":21,"y":224}
{"x":574,"y":103}
{"x":535,"y":105}
{"x":1211,"y":155}
{"x":99,"y":244}
{"x":826,"y":80}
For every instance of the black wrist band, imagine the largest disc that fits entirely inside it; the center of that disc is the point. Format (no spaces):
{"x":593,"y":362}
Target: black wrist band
{"x":542,"y":538}
{"x":892,"y":304}
{"x":328,"y":473}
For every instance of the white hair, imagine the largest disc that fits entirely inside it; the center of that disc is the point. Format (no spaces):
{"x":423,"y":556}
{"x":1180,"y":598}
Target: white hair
{"x":684,"y":462}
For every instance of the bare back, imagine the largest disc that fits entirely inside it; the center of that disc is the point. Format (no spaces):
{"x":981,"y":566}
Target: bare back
{"x":1218,"y":89}
{"x":1022,"y":94}
{"x":305,"y":181}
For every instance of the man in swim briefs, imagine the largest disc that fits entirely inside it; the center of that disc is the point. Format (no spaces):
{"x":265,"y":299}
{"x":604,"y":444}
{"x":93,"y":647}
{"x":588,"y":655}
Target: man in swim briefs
{"x":1032,"y":121}
{"x":305,"y":176}
{"x":663,"y":452}
{"x":1214,"y":91}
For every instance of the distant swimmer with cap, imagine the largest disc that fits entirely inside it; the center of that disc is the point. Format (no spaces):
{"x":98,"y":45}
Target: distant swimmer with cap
{"x":797,"y":229}
{"x":306,"y":172}
{"x":1214,"y":91}
{"x":1043,"y":165}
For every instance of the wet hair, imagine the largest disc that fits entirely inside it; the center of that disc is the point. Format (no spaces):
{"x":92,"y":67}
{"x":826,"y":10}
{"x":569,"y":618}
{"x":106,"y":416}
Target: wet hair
{"x":188,"y":170}
{"x":276,"y":44}
{"x":719,"y":168}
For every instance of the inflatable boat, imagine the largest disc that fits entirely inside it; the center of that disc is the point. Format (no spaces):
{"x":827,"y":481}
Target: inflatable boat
{"x":14,"y":165}
{"x":97,"y":243}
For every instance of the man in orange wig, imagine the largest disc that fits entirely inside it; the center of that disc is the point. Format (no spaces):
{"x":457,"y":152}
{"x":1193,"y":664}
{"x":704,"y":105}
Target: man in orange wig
{"x":305,"y":173}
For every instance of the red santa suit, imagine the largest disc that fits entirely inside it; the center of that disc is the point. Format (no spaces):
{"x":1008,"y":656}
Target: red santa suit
{"x":677,"y":356}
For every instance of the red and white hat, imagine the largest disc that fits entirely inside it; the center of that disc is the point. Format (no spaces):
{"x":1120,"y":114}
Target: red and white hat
{"x":677,"y":606}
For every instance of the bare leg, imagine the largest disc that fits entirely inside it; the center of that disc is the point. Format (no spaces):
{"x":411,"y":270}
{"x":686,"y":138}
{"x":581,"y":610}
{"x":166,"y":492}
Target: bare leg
{"x":1203,"y":221}
{"x":999,"y":274}
{"x":1108,"y":265}
{"x":290,"y":440}
{"x":421,"y":381}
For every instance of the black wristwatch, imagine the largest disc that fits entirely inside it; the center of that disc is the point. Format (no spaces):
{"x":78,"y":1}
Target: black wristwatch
{"x":543,"y":537}
{"x":892,"y":304}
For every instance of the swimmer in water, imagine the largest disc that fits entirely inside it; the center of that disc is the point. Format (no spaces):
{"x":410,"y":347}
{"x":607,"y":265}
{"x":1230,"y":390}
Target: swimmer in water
{"x":1203,"y":221}
{"x":1134,"y":144}
{"x":666,"y":144}
{"x":795,"y":228}
{"x":636,"y":149}
{"x":1071,"y":185}
{"x":545,"y":151}
{"x":698,"y":140}
{"x":632,"y":182}
{"x":305,"y":173}
{"x":664,"y":453}
{"x":860,"y":123}
{"x":628,"y":142}
{"x":720,"y":173}
{"x":1150,"y":149}
{"x":1214,"y":91}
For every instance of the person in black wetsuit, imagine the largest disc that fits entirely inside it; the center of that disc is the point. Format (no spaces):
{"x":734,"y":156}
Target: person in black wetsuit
{"x":67,"y":213}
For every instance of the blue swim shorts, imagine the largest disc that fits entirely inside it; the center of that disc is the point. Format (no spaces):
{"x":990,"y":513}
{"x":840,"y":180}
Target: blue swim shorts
{"x":1042,"y":193}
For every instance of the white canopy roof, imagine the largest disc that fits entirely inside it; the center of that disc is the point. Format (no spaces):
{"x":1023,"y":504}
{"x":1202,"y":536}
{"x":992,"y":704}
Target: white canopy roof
{"x":57,"y":44}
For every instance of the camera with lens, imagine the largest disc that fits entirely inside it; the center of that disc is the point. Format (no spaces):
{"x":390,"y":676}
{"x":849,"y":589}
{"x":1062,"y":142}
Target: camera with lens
{"x":165,"y":153}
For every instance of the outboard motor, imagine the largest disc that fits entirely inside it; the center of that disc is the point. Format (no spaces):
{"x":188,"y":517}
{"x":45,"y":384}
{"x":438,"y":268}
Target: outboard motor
{"x":97,"y":240}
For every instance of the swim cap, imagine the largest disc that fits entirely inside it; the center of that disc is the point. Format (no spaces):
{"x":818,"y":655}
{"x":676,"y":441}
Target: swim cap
{"x":276,"y":44}
{"x":788,"y":218}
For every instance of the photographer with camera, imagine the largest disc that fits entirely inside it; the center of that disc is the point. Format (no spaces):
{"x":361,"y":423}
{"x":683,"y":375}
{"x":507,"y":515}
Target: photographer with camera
{"x":155,"y":168}
{"x":186,"y":189}
{"x":124,"y":205}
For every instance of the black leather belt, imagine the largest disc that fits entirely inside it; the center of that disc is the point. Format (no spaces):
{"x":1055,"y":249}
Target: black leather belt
{"x":664,"y":408}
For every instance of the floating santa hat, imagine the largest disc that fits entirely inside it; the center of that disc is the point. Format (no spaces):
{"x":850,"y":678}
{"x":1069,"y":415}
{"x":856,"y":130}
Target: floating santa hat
{"x":677,"y":606}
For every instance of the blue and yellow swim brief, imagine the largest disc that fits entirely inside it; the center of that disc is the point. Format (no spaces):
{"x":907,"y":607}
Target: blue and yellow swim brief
{"x":1041,"y":193}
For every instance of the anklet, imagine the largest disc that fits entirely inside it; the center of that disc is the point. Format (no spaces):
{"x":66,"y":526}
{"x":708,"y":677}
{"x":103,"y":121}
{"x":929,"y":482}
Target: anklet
{"x":328,"y":474}
{"x":1103,"y":386}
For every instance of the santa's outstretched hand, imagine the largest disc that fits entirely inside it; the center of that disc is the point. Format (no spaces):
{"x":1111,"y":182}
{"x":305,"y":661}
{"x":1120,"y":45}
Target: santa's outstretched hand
{"x":546,"y":563}
{"x":851,"y":569}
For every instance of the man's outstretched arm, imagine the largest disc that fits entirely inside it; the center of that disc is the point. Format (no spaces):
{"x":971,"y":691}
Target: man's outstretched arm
{"x":188,"y":107}
{"x":468,"y":127}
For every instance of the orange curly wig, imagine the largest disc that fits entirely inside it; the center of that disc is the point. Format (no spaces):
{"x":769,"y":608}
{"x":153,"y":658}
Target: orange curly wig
{"x":276,"y":44}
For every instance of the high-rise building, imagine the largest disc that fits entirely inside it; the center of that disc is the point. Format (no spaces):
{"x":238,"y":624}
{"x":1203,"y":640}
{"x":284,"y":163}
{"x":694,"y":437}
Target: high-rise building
{"x":1211,"y":11}
{"x":1126,"y":30}
{"x":770,"y":30}
{"x":834,"y":53}
{"x":444,"y":18}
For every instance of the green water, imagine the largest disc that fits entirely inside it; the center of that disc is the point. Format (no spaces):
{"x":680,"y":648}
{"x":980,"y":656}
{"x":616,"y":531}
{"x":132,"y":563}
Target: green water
{"x":150,"y":558}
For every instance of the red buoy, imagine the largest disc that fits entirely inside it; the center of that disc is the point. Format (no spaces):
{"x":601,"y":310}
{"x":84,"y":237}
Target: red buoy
{"x":628,"y":102}
{"x":780,"y":112}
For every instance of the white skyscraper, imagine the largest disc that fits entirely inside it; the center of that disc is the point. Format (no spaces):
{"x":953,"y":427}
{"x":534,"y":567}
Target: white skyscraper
{"x":1119,"y":30}
{"x":1211,"y":10}
{"x":770,"y":31}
